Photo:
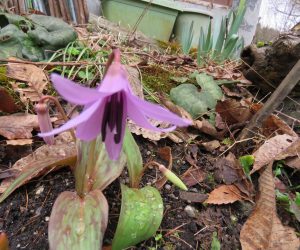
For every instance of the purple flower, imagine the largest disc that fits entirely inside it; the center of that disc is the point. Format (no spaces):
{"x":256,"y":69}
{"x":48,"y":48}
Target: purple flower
{"x":107,"y":107}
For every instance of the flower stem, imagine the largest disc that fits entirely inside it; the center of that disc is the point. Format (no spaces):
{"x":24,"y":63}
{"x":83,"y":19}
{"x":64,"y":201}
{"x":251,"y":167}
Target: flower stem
{"x":60,"y":109}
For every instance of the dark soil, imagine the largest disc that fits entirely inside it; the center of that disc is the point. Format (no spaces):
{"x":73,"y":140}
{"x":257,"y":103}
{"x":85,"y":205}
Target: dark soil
{"x":24,"y":215}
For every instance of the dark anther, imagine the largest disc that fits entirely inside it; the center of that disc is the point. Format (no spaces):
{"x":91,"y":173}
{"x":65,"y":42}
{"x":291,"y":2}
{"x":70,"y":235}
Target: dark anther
{"x":119,"y":118}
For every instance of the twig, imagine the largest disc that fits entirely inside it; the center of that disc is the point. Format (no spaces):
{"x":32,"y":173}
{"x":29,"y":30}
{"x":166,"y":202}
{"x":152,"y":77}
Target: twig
{"x":286,"y":86}
{"x":174,"y":229}
{"x":72,"y":63}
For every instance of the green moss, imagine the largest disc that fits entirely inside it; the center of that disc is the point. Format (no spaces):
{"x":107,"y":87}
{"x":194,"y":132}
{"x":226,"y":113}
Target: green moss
{"x":157,"y":79}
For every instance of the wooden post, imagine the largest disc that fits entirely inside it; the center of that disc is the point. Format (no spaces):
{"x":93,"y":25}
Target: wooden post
{"x":282,"y":91}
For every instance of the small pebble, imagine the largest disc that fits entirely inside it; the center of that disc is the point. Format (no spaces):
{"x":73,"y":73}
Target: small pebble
{"x":38,"y":211}
{"x":19,"y":245}
{"x":47,"y":218}
{"x":173,"y":196}
{"x":195,"y":190}
{"x":39,"y":190}
{"x":168,"y":187}
{"x":148,"y":153}
{"x":190,"y":211}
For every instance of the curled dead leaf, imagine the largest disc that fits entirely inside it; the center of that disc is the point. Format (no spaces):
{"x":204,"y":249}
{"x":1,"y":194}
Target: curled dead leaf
{"x":263,"y":229}
{"x":270,"y":150}
{"x":166,"y":154}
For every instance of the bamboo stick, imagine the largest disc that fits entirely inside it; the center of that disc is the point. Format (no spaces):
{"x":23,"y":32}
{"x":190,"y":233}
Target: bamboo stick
{"x":51,"y":7}
{"x":22,"y":7}
{"x":16,"y":6}
{"x":63,"y":10}
{"x":69,"y":18}
{"x":81,"y":12}
{"x":86,"y":11}
{"x":57,"y":10}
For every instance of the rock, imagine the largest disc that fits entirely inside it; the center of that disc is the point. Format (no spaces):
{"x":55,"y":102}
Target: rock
{"x":168,"y":187}
{"x":191,"y":211}
{"x":39,"y":190}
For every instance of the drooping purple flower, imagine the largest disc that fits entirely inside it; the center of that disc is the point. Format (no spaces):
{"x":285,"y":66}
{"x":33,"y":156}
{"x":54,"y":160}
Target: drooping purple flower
{"x":107,"y":107}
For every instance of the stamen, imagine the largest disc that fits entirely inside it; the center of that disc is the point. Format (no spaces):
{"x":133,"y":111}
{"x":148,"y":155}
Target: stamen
{"x":105,"y":118}
{"x":119,"y":118}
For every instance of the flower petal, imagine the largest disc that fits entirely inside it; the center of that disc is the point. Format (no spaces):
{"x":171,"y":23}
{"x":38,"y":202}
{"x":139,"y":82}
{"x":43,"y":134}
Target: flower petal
{"x":73,"y":92}
{"x":88,"y":131}
{"x":83,"y":117}
{"x":139,"y":118}
{"x":159,"y":113}
{"x":115,"y":80}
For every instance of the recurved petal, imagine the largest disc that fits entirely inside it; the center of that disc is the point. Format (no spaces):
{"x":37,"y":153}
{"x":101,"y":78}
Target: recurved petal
{"x":139,"y":118}
{"x":159,"y":113}
{"x":73,"y":92}
{"x":83,"y":117}
{"x":88,"y":131}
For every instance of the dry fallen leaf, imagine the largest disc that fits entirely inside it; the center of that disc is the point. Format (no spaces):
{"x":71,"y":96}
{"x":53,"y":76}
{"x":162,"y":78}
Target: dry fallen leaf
{"x":64,"y":147}
{"x":18,"y":126}
{"x":273,"y":124}
{"x":166,"y":154}
{"x":291,"y":155}
{"x":270,"y":149}
{"x":211,"y":145}
{"x":224,"y":194}
{"x":148,"y":134}
{"x":263,"y":229}
{"x":233,"y":112}
{"x":7,"y":103}
{"x":32,"y":75}
{"x":193,"y":176}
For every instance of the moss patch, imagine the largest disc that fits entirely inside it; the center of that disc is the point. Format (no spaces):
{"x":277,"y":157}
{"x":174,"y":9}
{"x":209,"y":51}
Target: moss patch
{"x":157,"y":79}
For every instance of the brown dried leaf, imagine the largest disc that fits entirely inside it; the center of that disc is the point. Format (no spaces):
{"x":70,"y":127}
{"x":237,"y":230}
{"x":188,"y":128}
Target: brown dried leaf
{"x":263,"y":229}
{"x":32,"y":75}
{"x":7,"y":103}
{"x":292,"y":150}
{"x":273,"y":124}
{"x":64,"y":147}
{"x":166,"y":154}
{"x":224,"y":194}
{"x":205,"y":127}
{"x":233,"y":111}
{"x":270,"y":149}
{"x":211,"y":145}
{"x":193,"y":176}
{"x":18,"y":126}
{"x":149,"y":134}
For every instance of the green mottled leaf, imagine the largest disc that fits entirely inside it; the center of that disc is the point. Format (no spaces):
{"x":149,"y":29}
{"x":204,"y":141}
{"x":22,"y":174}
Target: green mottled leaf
{"x":197,"y":103}
{"x":187,"y":97}
{"x":140,"y":216}
{"x":94,"y":169}
{"x":78,"y":223}
{"x":134,"y":159}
